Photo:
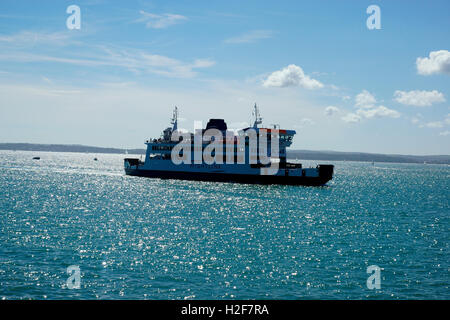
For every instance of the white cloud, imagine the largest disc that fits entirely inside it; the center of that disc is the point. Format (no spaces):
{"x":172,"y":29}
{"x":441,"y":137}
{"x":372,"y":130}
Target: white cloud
{"x":438,"y":124}
{"x":380,"y":111}
{"x":160,"y":21}
{"x":433,"y":124}
{"x":365,"y":100}
{"x":27,"y":47}
{"x":367,"y":109}
{"x":444,"y":133}
{"x":133,"y":60}
{"x":290,"y":76}
{"x":251,"y":36}
{"x":203,"y":63}
{"x":419,"y":98}
{"x":29,"y":38}
{"x":329,"y":111}
{"x":437,"y":62}
{"x":351,"y":118}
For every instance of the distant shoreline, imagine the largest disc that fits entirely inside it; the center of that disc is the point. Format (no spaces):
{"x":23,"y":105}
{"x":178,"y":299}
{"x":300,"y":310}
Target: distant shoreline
{"x":292,"y":154}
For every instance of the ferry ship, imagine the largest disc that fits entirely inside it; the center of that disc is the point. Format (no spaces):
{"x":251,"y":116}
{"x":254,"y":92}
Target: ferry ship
{"x":239,"y":160}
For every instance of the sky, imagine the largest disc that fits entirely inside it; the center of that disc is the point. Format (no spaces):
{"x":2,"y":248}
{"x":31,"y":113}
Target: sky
{"x":344,"y":77}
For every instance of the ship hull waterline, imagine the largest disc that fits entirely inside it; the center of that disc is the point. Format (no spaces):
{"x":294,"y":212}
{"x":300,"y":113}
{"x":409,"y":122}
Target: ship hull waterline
{"x":321,"y":180}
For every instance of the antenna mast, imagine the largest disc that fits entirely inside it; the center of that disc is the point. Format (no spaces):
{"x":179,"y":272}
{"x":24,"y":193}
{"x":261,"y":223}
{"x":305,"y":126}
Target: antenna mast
{"x":258,"y":119}
{"x":174,"y":121}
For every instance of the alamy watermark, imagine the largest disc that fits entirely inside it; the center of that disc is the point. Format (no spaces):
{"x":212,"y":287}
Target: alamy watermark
{"x":256,"y":142}
{"x":374,"y":280}
{"x":74,"y":279}
{"x":74,"y":20}
{"x":374,"y":20}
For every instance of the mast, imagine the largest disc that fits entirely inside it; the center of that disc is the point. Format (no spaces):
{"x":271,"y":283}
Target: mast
{"x":258,"y":119}
{"x":174,"y":120}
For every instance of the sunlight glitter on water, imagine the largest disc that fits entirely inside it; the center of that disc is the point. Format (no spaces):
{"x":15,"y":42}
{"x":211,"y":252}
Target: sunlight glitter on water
{"x":137,"y":238}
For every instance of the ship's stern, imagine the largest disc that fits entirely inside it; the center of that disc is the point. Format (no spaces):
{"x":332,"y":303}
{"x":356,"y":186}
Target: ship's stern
{"x":325,"y":172}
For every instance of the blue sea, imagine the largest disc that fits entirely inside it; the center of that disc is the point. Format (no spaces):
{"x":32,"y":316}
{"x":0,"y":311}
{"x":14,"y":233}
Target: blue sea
{"x":140,"y":238}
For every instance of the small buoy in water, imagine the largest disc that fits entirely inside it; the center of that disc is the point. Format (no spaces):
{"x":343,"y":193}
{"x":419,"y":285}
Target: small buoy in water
{"x":36,"y":158}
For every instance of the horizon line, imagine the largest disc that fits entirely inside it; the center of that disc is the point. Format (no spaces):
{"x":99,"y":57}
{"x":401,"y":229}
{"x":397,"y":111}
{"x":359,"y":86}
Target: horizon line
{"x":143,"y":148}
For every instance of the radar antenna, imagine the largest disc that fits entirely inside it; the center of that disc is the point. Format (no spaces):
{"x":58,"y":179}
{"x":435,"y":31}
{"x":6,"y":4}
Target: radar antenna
{"x":258,"y":119}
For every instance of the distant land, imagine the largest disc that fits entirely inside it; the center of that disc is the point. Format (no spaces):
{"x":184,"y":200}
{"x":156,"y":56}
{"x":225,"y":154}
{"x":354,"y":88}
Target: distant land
{"x":65,"y":148}
{"x":292,"y":154}
{"x":367,"y":157}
